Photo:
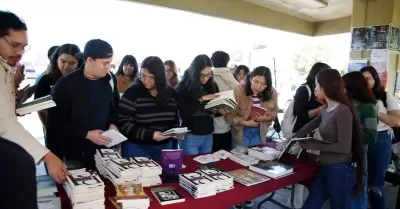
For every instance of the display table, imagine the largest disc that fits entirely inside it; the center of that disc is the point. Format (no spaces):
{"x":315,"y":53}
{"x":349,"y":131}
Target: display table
{"x":303,"y":172}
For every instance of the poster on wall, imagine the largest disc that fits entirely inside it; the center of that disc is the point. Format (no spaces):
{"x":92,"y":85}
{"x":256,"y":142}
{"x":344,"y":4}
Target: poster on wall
{"x":394,"y":38}
{"x":378,"y":37}
{"x":356,"y":65}
{"x":359,"y":38}
{"x":379,"y":60}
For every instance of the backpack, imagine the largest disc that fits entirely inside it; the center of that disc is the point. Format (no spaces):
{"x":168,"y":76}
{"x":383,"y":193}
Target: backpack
{"x":289,"y":119}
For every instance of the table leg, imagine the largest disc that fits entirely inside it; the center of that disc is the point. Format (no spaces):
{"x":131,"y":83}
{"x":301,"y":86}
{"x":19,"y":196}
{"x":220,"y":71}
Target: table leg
{"x":270,"y":198}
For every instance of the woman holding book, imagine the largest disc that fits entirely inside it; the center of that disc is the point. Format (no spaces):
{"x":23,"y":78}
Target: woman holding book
{"x":195,"y":90}
{"x":257,"y":107}
{"x":342,"y":170}
{"x":146,"y":110}
{"x":380,"y":153}
{"x":357,"y":91}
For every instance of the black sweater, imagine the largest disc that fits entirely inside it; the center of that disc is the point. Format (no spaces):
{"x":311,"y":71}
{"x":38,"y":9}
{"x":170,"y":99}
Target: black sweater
{"x":192,"y":113}
{"x":140,"y":115}
{"x":303,"y":103}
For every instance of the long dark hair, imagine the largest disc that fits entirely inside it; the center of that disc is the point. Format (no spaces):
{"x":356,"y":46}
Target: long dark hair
{"x":130,"y":60}
{"x":378,"y":90}
{"x":155,"y":66}
{"x":239,"y":68}
{"x":70,"y":49}
{"x":357,"y":87}
{"x":191,"y":78}
{"x":175,"y":80}
{"x":315,"y":69}
{"x":333,"y":86}
{"x":266,"y":94}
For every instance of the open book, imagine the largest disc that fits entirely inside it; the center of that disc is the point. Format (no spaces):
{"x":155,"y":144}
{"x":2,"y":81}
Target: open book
{"x":176,"y":131}
{"x":36,"y":105}
{"x":115,"y":137}
{"x":226,"y":100}
{"x":311,"y":139}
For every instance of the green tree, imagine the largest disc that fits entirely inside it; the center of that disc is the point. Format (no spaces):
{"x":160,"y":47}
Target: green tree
{"x":308,"y":55}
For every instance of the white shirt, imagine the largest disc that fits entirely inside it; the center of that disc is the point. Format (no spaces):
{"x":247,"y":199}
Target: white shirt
{"x":392,"y":104}
{"x":10,"y":128}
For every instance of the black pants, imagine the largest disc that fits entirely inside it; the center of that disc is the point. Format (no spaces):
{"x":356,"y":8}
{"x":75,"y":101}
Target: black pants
{"x":17,"y":176}
{"x":222,"y":141}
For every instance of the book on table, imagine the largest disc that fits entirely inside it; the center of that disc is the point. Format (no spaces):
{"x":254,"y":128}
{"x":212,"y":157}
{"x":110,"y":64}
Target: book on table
{"x":272,"y":169}
{"x":247,"y":177}
{"x":225,"y":100}
{"x":171,"y":161}
{"x":46,"y":186}
{"x":36,"y":105}
{"x":167,"y":195}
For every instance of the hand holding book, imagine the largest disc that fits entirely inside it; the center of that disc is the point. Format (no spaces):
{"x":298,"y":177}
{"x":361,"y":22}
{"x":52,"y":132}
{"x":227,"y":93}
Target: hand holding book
{"x":96,"y":137}
{"x":158,"y":136}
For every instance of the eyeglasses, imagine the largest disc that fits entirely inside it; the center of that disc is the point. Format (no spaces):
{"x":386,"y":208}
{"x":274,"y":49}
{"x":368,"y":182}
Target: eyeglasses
{"x":143,"y":77}
{"x":206,"y":76}
{"x":259,"y":84}
{"x":17,"y":47}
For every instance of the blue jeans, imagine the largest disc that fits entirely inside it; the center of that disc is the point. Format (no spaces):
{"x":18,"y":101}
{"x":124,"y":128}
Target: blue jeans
{"x":196,"y":144}
{"x":334,"y":182}
{"x":130,"y":149}
{"x":379,"y":155}
{"x":251,"y":137}
{"x":360,"y":201}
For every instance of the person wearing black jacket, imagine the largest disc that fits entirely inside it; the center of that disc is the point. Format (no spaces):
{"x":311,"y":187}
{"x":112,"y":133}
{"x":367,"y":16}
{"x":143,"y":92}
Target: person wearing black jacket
{"x":147,"y":109}
{"x":87,"y":101}
{"x":306,"y":106}
{"x":194,"y":91}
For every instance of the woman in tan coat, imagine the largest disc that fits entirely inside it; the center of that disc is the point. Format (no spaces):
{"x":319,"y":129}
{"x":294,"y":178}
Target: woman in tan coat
{"x":250,"y":128}
{"x":127,"y":72}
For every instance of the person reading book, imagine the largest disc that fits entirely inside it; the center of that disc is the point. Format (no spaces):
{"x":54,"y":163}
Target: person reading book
{"x":342,"y":170}
{"x":146,"y":110}
{"x":87,"y":101}
{"x":195,"y":90}
{"x":13,"y":42}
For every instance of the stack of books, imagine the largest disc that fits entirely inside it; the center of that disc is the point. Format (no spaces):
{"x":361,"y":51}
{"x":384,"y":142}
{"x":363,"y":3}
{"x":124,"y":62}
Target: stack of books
{"x":102,"y":157}
{"x":120,"y":171}
{"x":85,"y":189}
{"x":225,"y":101}
{"x":243,"y":159}
{"x":263,"y":153}
{"x":36,"y":105}
{"x":198,"y":184}
{"x":130,"y":196}
{"x":272,"y":169}
{"x":223,"y":181}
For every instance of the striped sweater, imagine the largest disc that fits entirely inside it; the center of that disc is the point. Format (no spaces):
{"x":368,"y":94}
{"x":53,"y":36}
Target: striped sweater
{"x":368,"y":121}
{"x":139,"y":115}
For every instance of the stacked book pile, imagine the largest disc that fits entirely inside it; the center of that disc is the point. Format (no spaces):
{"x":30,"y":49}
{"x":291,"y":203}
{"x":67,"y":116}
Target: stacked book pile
{"x":243,"y":159}
{"x":136,"y":170}
{"x":223,"y":181}
{"x":85,"y":189}
{"x":198,"y":184}
{"x":263,"y":153}
{"x":130,"y":196}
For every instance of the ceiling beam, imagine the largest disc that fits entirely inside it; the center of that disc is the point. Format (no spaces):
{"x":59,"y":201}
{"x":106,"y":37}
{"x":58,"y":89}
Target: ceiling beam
{"x":241,"y":11}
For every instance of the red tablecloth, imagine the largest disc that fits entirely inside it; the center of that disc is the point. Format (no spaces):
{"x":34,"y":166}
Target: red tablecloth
{"x":303,"y":172}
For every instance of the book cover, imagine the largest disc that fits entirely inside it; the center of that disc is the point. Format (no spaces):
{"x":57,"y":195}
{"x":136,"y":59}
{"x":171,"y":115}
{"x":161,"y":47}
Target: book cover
{"x":171,"y":161}
{"x":216,"y":175}
{"x":82,"y":177}
{"x":130,"y":191}
{"x":167,"y":195}
{"x":255,"y":110}
{"x":197,"y":178}
{"x":144,"y":162}
{"x":247,"y":177}
{"x":274,"y":167}
{"x":124,"y":164}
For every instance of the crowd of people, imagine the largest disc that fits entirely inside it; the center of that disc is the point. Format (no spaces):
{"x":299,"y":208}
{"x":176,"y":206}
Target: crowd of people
{"x":353,"y":113}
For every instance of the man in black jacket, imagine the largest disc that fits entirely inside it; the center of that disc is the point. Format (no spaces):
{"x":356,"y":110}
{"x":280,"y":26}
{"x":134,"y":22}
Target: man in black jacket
{"x":86,"y":106}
